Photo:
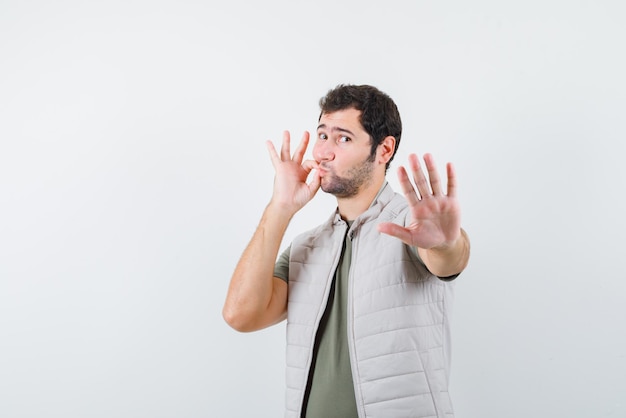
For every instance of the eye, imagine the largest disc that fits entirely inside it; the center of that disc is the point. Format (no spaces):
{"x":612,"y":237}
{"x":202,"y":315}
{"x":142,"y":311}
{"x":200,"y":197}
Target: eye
{"x":344,"y":139}
{"x":322,"y":136}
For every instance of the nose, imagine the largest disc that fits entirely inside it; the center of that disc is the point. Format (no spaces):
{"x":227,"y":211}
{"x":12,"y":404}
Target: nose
{"x":323,"y":150}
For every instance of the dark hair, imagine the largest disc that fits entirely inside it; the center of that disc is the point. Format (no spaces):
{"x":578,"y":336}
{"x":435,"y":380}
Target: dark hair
{"x":379,"y":114}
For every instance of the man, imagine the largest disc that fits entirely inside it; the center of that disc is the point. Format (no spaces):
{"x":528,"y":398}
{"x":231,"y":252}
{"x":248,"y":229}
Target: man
{"x":367,"y":293}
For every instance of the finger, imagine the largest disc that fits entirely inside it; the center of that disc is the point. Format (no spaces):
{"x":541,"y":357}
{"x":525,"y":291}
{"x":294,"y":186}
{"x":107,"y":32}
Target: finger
{"x":304,"y":143}
{"x":309,"y":165}
{"x":407,"y":188}
{"x":285,"y":149}
{"x":395,"y":230}
{"x":273,"y":154}
{"x":418,"y":176}
{"x":315,"y":183}
{"x":452,"y":184}
{"x":433,"y":176}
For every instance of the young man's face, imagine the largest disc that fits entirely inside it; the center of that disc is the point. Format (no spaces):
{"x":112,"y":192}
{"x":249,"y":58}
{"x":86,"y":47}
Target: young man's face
{"x":343,"y":151}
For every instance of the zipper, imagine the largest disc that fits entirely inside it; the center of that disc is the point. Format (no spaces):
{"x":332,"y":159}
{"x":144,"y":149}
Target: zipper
{"x":318,"y":319}
{"x":350,"y":322}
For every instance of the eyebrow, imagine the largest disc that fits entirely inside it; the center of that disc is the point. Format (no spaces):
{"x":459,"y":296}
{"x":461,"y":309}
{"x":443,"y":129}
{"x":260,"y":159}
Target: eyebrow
{"x":335,"y":129}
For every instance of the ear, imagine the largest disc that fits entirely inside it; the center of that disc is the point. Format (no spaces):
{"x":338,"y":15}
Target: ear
{"x":386,"y":149}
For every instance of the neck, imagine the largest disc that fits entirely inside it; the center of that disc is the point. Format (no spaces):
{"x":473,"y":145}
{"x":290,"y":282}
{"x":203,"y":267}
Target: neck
{"x":352,"y":207}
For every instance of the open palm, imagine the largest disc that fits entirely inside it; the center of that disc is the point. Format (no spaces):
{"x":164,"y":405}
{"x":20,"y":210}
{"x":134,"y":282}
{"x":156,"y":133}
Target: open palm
{"x":435,"y":216}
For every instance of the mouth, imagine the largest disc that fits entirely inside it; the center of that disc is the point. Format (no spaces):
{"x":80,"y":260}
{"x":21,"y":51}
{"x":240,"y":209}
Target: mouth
{"x":322,"y":169}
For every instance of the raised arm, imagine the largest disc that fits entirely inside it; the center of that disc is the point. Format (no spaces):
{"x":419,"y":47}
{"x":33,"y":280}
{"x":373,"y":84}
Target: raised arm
{"x":256,"y":299}
{"x":435,"y":228}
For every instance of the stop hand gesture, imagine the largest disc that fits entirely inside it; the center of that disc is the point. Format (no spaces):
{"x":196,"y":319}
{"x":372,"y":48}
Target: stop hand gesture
{"x":435,"y":216}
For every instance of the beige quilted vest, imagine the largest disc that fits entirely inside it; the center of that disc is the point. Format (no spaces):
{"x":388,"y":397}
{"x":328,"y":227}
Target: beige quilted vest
{"x":398,"y":321}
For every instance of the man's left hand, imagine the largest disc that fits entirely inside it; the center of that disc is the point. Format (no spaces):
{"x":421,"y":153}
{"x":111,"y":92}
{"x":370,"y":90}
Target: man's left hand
{"x":435,"y":216}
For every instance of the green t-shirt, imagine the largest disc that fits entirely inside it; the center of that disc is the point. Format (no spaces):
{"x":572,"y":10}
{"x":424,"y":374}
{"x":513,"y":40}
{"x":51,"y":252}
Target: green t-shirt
{"x":330,"y":392}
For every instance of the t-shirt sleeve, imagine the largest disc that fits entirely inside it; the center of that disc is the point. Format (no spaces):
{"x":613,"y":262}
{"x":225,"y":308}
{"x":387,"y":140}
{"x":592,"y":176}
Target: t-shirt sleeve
{"x":281,"y":268}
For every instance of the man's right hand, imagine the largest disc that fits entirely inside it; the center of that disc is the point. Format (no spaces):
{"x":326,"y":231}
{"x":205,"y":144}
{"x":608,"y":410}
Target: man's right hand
{"x":291,"y":190}
{"x":256,"y":299}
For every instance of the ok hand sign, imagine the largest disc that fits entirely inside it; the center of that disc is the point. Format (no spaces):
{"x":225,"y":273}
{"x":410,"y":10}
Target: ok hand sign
{"x":291,"y":190}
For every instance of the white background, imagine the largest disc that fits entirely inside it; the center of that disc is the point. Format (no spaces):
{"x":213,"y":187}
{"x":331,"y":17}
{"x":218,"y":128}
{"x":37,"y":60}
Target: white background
{"x":133,"y":171}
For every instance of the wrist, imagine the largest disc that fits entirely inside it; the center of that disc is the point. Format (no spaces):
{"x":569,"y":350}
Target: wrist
{"x":449,"y":259}
{"x":282,"y":209}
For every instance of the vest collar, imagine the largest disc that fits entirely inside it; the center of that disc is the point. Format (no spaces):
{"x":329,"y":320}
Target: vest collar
{"x":384,"y":196}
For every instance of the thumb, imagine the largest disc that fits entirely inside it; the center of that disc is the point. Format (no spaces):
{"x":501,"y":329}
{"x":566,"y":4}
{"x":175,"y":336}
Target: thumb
{"x":395,"y":230}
